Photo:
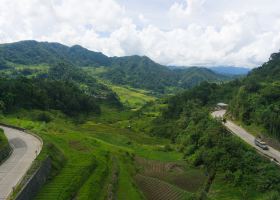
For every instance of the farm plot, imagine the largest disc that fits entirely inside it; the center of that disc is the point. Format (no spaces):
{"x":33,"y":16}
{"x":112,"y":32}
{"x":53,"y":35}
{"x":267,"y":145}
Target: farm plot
{"x":155,"y":189}
{"x":177,"y":174}
{"x":64,"y":185}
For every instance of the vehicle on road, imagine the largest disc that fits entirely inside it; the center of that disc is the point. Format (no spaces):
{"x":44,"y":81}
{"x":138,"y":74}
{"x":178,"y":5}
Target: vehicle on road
{"x":261,"y":144}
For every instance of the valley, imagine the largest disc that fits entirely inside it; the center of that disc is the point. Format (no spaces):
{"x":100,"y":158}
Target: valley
{"x":128,"y":128}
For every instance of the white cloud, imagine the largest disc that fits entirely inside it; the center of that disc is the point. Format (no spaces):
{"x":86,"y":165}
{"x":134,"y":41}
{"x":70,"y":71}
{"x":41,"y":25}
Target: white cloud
{"x":195,"y":32}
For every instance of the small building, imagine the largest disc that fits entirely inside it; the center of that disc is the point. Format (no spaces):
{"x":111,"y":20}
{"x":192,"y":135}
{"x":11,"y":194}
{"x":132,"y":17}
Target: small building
{"x":221,"y":106}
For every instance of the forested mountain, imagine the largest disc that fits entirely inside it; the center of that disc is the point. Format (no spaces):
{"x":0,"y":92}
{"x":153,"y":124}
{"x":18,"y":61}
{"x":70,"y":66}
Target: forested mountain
{"x":136,"y":71}
{"x":254,"y":100}
{"x":258,"y":99}
{"x":142,"y":72}
{"x":89,"y":85}
{"x":45,"y":94}
{"x":34,"y":53}
{"x":192,"y":76}
{"x":63,"y":87}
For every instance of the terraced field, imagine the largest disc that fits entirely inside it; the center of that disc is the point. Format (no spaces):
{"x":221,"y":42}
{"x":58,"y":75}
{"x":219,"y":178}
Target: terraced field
{"x":153,"y":166}
{"x":175,"y":173}
{"x":65,"y":184}
{"x":154,"y":189}
{"x":81,"y":154}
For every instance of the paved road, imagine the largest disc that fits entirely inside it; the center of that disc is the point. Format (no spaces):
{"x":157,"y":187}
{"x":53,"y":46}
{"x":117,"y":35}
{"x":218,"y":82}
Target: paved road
{"x":14,"y":168}
{"x":247,"y":137}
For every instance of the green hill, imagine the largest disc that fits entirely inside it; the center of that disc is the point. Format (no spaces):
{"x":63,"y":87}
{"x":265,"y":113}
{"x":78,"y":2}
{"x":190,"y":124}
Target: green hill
{"x":142,"y":72}
{"x":257,"y":102}
{"x":192,"y":76}
{"x":135,"y":71}
{"x":35,"y":53}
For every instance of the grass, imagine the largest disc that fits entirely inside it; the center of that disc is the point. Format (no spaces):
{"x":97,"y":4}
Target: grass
{"x":179,"y":174}
{"x":3,"y":140}
{"x":28,"y":71}
{"x":81,"y":154}
{"x":126,"y":189}
{"x":221,"y":190}
{"x":5,"y":148}
{"x":81,"y":162}
{"x":132,"y":98}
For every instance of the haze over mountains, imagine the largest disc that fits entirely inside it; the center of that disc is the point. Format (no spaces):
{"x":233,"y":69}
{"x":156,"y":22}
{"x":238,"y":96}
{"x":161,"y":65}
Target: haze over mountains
{"x":227,"y":70}
{"x":137,"y":71}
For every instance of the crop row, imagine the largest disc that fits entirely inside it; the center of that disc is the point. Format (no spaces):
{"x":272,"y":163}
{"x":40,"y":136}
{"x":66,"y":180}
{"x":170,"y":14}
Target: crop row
{"x":151,"y":166}
{"x":65,"y":184}
{"x":154,"y":189}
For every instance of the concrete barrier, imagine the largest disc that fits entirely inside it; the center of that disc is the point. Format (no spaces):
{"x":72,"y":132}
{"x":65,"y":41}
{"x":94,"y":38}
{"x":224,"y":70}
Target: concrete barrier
{"x":36,"y":181}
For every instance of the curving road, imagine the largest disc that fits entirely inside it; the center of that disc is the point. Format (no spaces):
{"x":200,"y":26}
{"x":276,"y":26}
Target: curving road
{"x":26,"y":147}
{"x":247,"y":137}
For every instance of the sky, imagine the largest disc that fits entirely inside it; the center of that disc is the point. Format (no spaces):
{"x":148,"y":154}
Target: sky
{"x":240,"y":33}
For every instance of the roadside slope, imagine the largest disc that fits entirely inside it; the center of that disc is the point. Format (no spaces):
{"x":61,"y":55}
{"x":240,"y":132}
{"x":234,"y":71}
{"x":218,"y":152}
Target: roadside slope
{"x":247,"y":137}
{"x":25,"y":149}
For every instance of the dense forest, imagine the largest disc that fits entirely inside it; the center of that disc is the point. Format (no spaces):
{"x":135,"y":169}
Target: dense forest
{"x":66,"y":72}
{"x":257,"y":101}
{"x":45,"y":94}
{"x":63,"y":87}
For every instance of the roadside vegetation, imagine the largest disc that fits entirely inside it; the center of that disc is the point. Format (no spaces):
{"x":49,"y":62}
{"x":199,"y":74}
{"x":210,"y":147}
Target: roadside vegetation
{"x":205,"y":143}
{"x":257,"y":101}
{"x":5,"y":148}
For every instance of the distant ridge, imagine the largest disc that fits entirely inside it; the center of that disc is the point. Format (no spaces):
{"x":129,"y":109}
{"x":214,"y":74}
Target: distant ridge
{"x":227,"y":70}
{"x":136,"y":71}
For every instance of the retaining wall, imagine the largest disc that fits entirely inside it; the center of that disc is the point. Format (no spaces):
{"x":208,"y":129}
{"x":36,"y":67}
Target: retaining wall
{"x":37,"y":180}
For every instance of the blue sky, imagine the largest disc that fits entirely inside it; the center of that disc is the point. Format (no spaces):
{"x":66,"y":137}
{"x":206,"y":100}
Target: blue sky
{"x":172,"y":32}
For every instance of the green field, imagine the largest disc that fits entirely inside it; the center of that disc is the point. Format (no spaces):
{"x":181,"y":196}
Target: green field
{"x":132,"y":98}
{"x":87,"y":148}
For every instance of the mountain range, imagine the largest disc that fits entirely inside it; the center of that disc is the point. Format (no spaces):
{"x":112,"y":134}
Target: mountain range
{"x":136,"y":71}
{"x":228,"y":70}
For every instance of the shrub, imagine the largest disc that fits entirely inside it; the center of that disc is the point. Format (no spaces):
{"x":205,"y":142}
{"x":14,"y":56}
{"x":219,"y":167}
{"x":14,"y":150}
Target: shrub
{"x":43,"y":117}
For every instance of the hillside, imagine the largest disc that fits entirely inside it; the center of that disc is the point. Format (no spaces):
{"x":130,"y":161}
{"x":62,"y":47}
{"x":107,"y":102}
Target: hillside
{"x":35,"y":53}
{"x":205,"y":143}
{"x":257,"y":102}
{"x":190,"y":77}
{"x":135,"y":71}
{"x":142,"y":72}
